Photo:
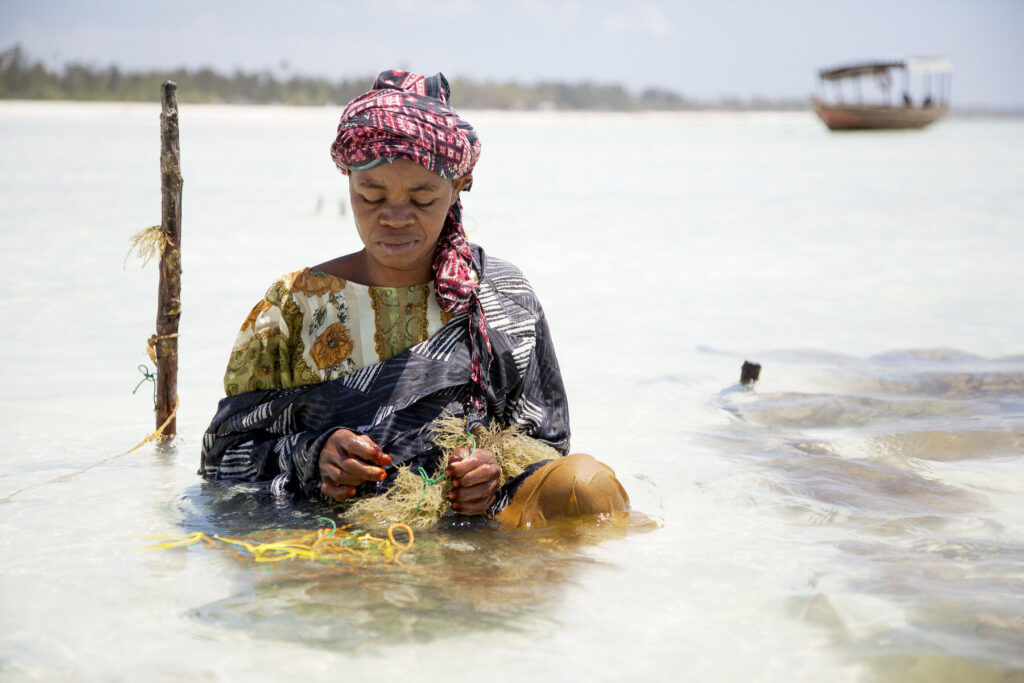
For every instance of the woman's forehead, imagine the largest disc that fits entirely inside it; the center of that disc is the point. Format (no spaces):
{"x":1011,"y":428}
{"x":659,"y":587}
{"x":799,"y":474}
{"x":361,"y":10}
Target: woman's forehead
{"x":398,"y":174}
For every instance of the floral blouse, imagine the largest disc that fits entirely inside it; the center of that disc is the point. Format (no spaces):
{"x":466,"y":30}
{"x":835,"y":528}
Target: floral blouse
{"x":312,"y":327}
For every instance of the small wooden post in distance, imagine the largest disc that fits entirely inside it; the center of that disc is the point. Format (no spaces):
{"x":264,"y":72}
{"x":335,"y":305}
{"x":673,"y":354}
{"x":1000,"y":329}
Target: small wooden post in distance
{"x":749,"y":373}
{"x":169,"y":298}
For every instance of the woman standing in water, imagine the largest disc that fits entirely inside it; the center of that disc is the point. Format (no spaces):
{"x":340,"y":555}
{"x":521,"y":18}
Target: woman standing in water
{"x":340,"y":370}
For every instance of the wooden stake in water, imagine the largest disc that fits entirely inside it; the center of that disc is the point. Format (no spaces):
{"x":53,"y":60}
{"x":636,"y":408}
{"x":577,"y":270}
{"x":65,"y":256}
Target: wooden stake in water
{"x":749,"y":373}
{"x":169,"y":298}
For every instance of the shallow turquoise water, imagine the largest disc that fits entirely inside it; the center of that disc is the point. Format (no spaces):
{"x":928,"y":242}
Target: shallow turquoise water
{"x":854,"y":517}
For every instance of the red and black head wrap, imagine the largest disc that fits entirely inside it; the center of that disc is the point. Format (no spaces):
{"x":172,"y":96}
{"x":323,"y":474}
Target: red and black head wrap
{"x":406,"y":116}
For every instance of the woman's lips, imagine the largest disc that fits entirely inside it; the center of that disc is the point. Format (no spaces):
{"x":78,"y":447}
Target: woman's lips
{"x":397,"y":248}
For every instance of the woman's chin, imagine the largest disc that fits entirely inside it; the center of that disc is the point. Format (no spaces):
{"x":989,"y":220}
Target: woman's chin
{"x":401,"y":265}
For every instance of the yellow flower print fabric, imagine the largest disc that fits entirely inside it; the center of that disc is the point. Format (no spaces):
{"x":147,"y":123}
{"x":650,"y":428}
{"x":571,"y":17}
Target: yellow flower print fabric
{"x":312,"y":327}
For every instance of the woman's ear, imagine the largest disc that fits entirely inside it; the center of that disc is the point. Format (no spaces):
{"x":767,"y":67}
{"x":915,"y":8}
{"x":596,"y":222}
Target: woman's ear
{"x":460,"y":184}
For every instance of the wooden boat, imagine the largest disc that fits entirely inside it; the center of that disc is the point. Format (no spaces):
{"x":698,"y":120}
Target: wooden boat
{"x":920,"y":74}
{"x":867,"y":117}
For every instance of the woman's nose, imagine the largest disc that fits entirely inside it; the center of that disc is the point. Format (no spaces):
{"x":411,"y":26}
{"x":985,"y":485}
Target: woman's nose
{"x":396,"y":215}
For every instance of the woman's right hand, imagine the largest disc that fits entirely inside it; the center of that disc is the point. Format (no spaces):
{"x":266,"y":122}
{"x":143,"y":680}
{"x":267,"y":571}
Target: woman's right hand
{"x":348,"y":460}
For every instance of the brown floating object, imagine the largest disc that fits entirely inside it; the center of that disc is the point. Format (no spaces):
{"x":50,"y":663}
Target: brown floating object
{"x":169,"y":298}
{"x":750,"y":372}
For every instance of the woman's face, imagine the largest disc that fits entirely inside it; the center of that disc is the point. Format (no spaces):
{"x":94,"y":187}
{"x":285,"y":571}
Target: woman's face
{"x":399,"y":210}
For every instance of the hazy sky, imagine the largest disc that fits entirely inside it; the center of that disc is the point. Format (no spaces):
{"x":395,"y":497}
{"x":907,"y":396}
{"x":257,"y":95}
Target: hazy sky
{"x":702,"y":49}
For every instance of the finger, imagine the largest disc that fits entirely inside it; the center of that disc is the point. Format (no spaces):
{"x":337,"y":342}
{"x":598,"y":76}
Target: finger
{"x":379,"y":457}
{"x":355,"y":471}
{"x":350,"y":472}
{"x":457,"y":456}
{"x":474,"y":507}
{"x":470,"y":508}
{"x":479,"y":475}
{"x":363,"y":447}
{"x":337,"y":492}
{"x":467,"y":463}
{"x":474,"y":493}
{"x":329,"y":470}
{"x":331,"y":452}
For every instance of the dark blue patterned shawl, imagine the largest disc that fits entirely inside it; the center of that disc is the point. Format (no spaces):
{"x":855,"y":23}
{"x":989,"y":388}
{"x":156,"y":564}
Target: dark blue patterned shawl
{"x":275,"y":436}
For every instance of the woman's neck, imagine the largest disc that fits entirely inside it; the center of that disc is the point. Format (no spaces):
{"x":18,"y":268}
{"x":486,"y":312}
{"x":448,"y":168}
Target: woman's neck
{"x":357,"y":267}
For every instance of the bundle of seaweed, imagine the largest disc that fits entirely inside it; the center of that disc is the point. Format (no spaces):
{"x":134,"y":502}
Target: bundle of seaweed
{"x":419,"y":498}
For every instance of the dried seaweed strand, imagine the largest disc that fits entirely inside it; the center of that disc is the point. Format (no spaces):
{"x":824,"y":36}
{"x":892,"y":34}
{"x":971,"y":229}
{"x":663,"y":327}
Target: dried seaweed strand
{"x":147,"y":244}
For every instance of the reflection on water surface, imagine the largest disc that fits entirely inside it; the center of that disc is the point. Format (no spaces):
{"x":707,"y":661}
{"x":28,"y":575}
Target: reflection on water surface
{"x":908,"y":456}
{"x":465,"y":578}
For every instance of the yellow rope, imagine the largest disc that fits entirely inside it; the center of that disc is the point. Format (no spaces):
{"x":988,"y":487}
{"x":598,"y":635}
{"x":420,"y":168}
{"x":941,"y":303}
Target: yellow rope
{"x":184,"y":540}
{"x":335,"y":544}
{"x":406,"y":529}
{"x":160,"y":430}
{"x":151,"y":344}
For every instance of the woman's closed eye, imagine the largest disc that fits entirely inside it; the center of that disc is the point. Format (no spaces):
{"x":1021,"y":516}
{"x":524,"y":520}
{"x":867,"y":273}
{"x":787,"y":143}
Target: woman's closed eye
{"x":418,"y":203}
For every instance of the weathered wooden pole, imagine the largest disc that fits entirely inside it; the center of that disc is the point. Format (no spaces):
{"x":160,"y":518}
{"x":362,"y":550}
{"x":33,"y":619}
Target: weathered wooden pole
{"x":169,"y":299}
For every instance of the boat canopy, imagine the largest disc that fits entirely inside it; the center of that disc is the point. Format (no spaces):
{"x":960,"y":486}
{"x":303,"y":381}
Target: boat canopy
{"x":917,"y":65}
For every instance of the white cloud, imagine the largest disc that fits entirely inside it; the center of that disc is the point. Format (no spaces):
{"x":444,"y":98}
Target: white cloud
{"x":645,"y":19}
{"x":434,"y":8}
{"x":559,"y":10}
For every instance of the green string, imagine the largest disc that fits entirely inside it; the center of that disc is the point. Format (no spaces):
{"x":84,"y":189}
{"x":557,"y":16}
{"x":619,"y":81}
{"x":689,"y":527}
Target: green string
{"x":471,"y":438}
{"x":334,"y":527}
{"x":427,"y":481}
{"x":147,"y":376}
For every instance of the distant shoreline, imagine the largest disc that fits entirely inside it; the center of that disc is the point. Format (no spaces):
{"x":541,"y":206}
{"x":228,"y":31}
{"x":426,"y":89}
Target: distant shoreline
{"x":23,"y":79}
{"x":232,"y":110}
{"x":737,"y":107}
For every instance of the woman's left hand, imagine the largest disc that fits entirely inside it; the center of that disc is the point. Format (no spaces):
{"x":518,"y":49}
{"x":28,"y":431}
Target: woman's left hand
{"x":474,"y":478}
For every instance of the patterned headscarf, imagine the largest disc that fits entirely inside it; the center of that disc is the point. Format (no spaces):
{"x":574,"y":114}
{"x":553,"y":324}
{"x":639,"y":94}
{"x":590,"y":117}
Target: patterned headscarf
{"x":406,"y":116}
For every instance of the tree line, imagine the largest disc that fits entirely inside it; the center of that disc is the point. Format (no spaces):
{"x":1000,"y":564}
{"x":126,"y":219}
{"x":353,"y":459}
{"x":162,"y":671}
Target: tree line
{"x":23,"y":78}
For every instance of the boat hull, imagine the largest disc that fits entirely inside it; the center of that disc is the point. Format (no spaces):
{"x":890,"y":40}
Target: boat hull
{"x":866,"y":117}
